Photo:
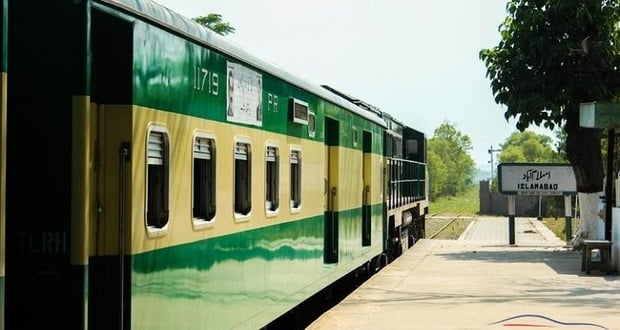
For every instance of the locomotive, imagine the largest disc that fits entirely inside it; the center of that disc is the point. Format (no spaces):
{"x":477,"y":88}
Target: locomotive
{"x":154,"y":175}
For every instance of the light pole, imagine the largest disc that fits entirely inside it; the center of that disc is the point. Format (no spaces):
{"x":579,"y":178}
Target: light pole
{"x":491,"y":151}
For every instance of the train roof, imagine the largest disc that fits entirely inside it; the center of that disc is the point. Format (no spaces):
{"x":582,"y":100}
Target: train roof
{"x":355,"y":100}
{"x":389,"y":119}
{"x":166,"y":18}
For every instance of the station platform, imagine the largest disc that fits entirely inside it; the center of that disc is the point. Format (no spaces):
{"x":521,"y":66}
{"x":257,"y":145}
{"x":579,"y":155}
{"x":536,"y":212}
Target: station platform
{"x":482,"y":282}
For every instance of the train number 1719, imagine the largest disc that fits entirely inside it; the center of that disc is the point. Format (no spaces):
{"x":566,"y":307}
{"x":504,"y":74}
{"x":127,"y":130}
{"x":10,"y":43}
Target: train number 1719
{"x":205,"y":80}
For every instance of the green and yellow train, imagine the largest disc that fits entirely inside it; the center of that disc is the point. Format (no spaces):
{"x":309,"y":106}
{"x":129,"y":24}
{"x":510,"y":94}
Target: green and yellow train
{"x":3,"y":60}
{"x":155,"y":176}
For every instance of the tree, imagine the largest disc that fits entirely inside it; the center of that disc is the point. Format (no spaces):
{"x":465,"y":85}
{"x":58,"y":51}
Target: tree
{"x":529,"y":147}
{"x":552,"y":56}
{"x":451,"y":168}
{"x":560,"y":146}
{"x":437,"y":172}
{"x":215,"y":23}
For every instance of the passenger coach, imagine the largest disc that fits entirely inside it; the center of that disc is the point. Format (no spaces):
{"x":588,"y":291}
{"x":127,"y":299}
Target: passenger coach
{"x":158,"y":176}
{"x":3,"y":89}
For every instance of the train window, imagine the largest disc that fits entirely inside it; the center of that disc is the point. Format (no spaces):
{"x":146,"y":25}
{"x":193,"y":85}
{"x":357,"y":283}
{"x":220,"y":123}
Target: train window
{"x":299,"y":111}
{"x":272,"y":179}
{"x":243,"y":176}
{"x":295,"y":179}
{"x":204,"y":175}
{"x":311,"y":124}
{"x":157,"y":174}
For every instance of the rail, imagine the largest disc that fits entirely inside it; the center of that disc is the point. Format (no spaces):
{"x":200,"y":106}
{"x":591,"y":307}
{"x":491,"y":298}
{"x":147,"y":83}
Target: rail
{"x":448,"y":224}
{"x":406,"y":182}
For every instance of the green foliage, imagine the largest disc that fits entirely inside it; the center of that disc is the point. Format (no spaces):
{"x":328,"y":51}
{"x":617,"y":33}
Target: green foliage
{"x":438,"y":173}
{"x":446,"y":131}
{"x":529,"y":147}
{"x":560,"y":149}
{"x":552,"y":56}
{"x":451,"y":168}
{"x":539,"y":68}
{"x":215,"y":23}
{"x":467,"y":203}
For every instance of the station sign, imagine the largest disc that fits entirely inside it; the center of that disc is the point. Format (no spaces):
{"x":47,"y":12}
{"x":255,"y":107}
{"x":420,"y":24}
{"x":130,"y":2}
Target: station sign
{"x":536,"y":179}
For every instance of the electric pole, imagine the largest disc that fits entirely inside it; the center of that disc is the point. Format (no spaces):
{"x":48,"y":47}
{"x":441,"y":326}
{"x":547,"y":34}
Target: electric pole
{"x":491,"y":151}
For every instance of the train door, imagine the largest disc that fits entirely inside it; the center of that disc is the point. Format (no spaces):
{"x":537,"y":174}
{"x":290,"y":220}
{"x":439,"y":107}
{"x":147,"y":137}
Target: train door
{"x":367,"y":188}
{"x":332,"y":137}
{"x":109,"y":289}
{"x":3,"y":25}
{"x":46,"y":154}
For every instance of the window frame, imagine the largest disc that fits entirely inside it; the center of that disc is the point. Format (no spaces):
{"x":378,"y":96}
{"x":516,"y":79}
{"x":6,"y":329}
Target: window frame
{"x":311,"y":124}
{"x":295,"y":181}
{"x":275,"y":190}
{"x":199,"y":222}
{"x":153,"y":230}
{"x":238,"y":216}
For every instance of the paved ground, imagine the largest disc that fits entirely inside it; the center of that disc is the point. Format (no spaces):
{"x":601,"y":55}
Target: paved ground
{"x":494,"y":230}
{"x":481,"y":282}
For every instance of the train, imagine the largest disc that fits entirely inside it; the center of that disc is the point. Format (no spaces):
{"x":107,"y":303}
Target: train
{"x":154,"y":175}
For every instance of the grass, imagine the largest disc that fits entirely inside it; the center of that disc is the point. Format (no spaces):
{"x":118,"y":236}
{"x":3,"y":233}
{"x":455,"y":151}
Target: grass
{"x":558,"y":226}
{"x":467,"y":203}
{"x":453,"y":231}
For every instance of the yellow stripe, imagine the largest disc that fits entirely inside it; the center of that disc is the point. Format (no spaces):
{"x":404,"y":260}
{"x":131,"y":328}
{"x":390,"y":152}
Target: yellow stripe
{"x":117,"y":123}
{"x":130,"y":124}
{"x":82,"y":211}
{"x":372,"y":175}
{"x":349,"y":180}
{"x":114,"y":128}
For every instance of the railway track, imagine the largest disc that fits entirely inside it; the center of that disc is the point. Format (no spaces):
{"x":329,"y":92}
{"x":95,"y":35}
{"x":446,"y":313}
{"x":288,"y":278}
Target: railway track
{"x":446,"y":226}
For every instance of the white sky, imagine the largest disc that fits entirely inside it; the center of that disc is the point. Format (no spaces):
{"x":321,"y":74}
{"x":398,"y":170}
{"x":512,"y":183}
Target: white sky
{"x":417,"y":60}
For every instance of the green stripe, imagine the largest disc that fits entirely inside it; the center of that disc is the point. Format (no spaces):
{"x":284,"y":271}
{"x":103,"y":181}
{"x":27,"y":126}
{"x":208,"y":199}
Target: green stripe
{"x":2,"y":303}
{"x":174,"y":74}
{"x":292,"y":241}
{"x":246,"y":279}
{"x":4,"y":34}
{"x":351,"y":129}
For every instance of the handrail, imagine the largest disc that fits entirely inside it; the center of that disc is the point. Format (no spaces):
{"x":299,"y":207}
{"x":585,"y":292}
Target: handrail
{"x":406,"y":182}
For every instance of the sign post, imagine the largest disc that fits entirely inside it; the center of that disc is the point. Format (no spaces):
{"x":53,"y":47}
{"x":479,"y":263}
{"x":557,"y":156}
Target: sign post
{"x":511,"y":219}
{"x":568,"y":227}
{"x":536,"y":179}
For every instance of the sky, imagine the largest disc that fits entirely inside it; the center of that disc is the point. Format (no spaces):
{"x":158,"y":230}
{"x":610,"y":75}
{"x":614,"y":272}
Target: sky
{"x":416,"y":60}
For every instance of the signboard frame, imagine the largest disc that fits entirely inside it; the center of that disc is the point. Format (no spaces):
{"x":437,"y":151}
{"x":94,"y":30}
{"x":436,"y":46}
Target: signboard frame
{"x":548,"y":179}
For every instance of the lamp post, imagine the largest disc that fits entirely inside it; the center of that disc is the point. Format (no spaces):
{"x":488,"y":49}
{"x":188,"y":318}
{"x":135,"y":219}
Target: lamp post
{"x":491,"y":151}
